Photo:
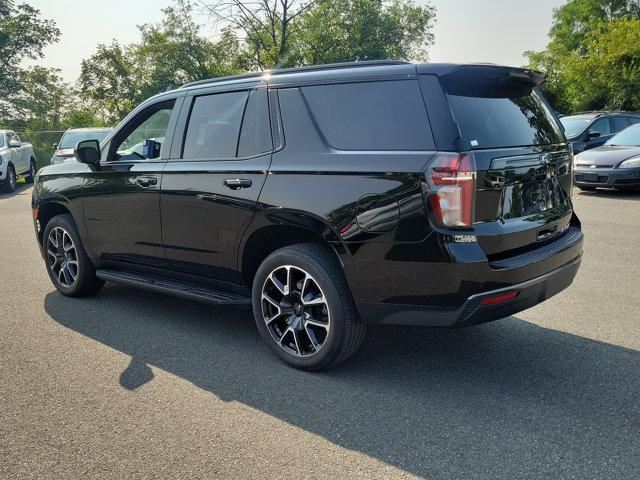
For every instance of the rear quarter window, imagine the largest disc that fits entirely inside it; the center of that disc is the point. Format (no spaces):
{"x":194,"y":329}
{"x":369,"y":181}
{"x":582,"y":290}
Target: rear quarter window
{"x":387,"y":115}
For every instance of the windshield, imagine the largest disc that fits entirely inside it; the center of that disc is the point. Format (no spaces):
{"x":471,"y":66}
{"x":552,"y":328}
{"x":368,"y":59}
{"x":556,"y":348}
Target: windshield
{"x":70,"y":139}
{"x":629,"y":137}
{"x":494,"y":121}
{"x":575,"y":125}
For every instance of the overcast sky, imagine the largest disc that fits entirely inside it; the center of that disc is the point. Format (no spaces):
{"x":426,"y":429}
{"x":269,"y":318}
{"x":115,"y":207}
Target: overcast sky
{"x":497,"y":31}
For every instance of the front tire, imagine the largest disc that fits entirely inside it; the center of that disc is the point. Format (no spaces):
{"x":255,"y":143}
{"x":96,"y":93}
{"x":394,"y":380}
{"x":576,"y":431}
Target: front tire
{"x":9,"y":183}
{"x":68,"y":264}
{"x":303,"y":307}
{"x":32,"y":171}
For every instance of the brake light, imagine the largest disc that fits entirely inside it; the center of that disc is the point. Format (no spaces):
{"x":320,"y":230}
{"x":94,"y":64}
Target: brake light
{"x":451,"y":182}
{"x":505,"y":297}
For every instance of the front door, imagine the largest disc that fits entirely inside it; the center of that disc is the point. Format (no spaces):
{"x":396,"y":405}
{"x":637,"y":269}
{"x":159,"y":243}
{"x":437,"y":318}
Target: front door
{"x":121,"y":196}
{"x":209,"y":194}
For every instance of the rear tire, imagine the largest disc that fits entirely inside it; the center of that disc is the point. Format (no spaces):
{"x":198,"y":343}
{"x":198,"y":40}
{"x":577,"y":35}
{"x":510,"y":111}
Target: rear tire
{"x":68,"y":264}
{"x":303,"y":307}
{"x":9,"y":183}
{"x":32,"y":171}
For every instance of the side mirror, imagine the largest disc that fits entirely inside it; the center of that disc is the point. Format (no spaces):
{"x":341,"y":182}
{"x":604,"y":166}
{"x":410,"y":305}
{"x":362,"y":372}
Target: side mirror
{"x":88,"y":151}
{"x":55,"y":146}
{"x":15,"y":144}
{"x":593,"y":135}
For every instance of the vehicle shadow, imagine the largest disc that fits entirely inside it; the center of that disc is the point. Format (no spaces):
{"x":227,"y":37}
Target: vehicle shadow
{"x":503,"y":400}
{"x":20,"y":188}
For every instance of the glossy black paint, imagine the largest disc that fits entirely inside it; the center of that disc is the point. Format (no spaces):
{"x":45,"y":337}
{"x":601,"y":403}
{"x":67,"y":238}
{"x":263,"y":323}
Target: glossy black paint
{"x":369,"y":206}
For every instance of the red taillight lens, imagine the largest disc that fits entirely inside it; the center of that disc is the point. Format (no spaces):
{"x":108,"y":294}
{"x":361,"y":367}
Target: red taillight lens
{"x":505,"y":297}
{"x":451,"y":182}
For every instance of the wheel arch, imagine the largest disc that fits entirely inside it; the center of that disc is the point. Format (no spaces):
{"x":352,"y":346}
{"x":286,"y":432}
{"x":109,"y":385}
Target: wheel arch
{"x":270,"y":232}
{"x":49,"y":209}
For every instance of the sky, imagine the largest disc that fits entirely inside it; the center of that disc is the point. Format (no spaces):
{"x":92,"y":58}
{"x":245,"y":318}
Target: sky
{"x":496,"y":31}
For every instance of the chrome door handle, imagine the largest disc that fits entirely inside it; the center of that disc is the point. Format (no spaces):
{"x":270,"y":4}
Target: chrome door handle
{"x":146,"y":181}
{"x":237,"y":183}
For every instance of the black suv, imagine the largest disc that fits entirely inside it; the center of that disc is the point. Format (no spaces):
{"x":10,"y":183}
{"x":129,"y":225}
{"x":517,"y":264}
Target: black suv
{"x":592,"y":129}
{"x":325,"y":198}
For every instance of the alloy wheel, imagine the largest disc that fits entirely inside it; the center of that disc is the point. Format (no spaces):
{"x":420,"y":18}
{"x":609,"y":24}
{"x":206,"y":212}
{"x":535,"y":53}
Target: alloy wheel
{"x":62,"y":257}
{"x":295,"y":311}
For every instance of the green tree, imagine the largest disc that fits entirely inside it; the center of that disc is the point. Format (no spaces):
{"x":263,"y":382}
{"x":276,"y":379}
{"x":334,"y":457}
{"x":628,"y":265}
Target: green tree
{"x":23,"y":36}
{"x":570,"y":40}
{"x":355,"y":30}
{"x":607,"y":76}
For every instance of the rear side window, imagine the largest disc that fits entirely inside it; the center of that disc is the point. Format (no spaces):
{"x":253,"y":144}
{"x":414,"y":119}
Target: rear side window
{"x":371,"y":115}
{"x":255,"y":134}
{"x":633,"y":120}
{"x":214,"y":126}
{"x":619,"y":123}
{"x":490,"y":120}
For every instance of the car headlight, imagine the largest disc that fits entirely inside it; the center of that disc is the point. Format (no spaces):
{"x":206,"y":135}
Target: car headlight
{"x":631,"y":163}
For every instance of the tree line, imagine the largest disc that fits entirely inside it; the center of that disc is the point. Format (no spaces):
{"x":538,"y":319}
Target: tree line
{"x":592,"y":59}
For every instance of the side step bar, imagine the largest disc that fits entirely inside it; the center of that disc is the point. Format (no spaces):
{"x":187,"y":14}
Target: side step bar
{"x":174,"y":287}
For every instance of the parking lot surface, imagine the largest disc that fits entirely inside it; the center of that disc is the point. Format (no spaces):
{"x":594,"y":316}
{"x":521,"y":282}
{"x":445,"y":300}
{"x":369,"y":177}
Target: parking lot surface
{"x":131,"y":384}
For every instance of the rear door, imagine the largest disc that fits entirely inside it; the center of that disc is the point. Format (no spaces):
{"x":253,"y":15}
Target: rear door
{"x":222,"y":151}
{"x":523,"y":178}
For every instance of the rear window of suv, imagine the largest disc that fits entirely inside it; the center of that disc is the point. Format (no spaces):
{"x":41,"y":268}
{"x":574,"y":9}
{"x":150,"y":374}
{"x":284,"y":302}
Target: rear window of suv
{"x":385,"y":115}
{"x":495,"y":121}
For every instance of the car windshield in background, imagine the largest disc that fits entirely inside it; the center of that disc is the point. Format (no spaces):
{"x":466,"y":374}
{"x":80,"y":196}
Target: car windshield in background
{"x":629,"y":137}
{"x":575,"y":125}
{"x":70,"y":139}
{"x":495,"y":121}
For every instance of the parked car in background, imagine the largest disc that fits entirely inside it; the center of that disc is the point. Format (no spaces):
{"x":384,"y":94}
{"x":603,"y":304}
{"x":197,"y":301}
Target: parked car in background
{"x":17,"y":160}
{"x":591,"y":129}
{"x":615,"y":164}
{"x":63,"y":150}
{"x":326,"y":198}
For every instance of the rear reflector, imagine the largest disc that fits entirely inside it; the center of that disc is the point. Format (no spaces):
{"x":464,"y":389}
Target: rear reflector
{"x":500,"y":298}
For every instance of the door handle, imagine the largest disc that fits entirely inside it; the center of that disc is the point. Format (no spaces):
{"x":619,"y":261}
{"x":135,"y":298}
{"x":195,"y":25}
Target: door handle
{"x":237,"y":183}
{"x":146,"y":181}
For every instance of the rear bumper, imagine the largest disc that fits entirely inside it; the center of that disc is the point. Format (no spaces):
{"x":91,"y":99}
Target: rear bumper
{"x":608,"y":177}
{"x":473,"y":311}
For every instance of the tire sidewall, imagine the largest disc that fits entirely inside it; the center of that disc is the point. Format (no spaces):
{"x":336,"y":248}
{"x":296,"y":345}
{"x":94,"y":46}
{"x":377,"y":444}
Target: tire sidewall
{"x":336,"y":310}
{"x":65,"y":222}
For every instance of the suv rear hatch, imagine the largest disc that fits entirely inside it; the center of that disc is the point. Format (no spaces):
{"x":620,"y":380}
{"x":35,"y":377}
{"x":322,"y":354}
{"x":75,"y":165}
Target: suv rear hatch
{"x":518,"y":152}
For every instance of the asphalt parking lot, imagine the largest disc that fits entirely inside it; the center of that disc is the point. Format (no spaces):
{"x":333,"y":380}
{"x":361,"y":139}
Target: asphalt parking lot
{"x":130,"y":384}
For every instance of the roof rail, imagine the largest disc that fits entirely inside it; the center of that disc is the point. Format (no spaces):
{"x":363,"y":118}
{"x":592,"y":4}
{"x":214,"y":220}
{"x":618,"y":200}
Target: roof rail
{"x":309,"y":68}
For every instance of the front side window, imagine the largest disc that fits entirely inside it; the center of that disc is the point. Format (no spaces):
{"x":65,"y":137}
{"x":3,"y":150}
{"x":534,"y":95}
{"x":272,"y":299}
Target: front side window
{"x":144,"y":136}
{"x":602,"y":126}
{"x":214,"y":126}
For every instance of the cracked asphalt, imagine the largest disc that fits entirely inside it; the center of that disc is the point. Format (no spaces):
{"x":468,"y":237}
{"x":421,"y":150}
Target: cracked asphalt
{"x":131,"y":384}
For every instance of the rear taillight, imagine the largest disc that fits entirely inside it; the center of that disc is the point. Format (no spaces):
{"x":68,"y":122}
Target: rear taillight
{"x":451,"y":189}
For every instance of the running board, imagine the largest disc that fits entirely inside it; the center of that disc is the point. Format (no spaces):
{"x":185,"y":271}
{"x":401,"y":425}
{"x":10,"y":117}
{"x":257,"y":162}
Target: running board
{"x":173,"y":287}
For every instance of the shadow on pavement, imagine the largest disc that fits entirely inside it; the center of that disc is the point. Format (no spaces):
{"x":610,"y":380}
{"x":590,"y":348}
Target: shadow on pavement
{"x":20,"y":188}
{"x":508,"y":399}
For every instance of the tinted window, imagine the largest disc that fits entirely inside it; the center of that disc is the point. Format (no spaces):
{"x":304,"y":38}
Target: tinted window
{"x":601,"y":125}
{"x":619,"y":123}
{"x":371,"y":116}
{"x":255,"y":135}
{"x":495,"y":121}
{"x":633,"y":120}
{"x":214,"y":126}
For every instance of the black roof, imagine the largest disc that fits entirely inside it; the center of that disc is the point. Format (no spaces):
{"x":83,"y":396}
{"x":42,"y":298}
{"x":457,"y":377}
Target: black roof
{"x":378,"y":68}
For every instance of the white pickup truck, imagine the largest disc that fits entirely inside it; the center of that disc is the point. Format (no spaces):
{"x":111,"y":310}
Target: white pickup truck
{"x":17,"y":160}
